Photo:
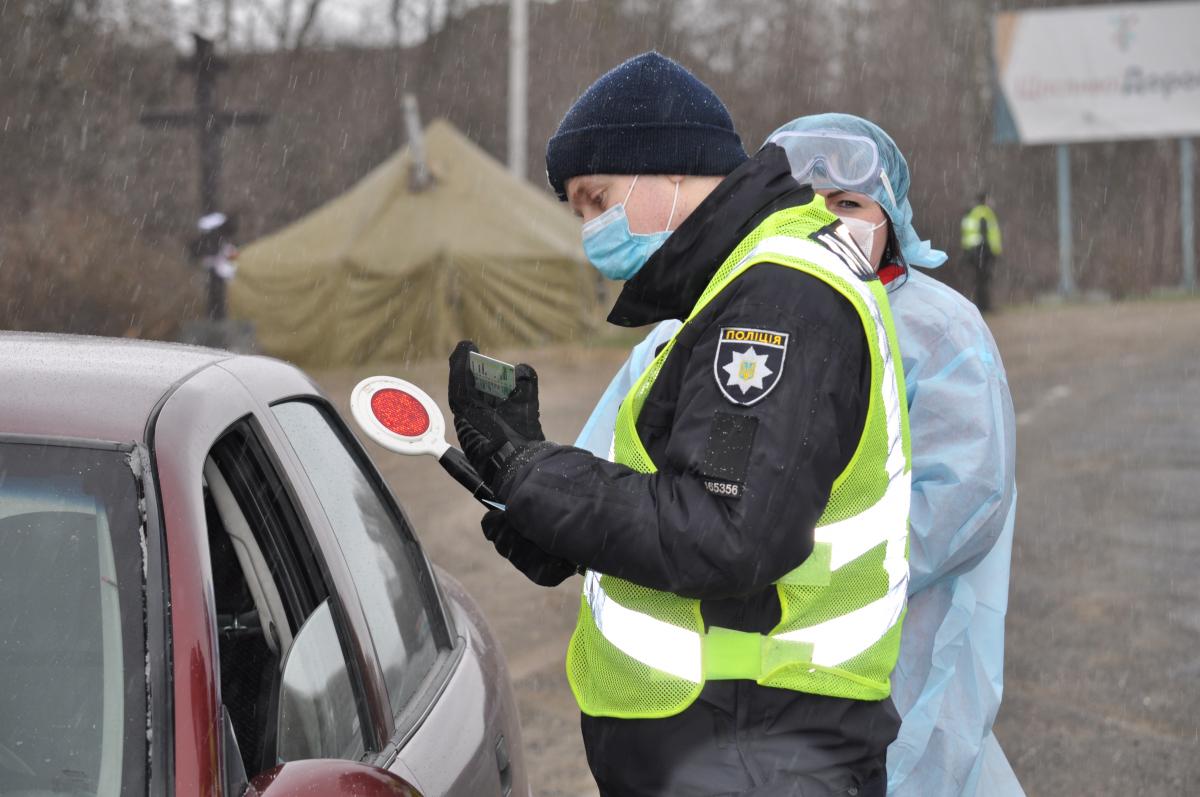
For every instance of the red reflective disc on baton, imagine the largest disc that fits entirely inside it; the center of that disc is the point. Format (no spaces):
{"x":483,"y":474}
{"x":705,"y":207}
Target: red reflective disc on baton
{"x":399,"y":412}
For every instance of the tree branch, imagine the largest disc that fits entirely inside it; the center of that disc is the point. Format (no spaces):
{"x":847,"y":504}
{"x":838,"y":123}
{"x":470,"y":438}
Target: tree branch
{"x":310,"y":16}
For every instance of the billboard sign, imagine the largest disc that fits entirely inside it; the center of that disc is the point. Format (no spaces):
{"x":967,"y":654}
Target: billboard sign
{"x":1101,"y":73}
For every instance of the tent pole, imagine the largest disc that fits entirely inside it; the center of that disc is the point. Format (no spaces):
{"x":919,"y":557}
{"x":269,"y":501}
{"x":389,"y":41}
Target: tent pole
{"x":419,"y":171}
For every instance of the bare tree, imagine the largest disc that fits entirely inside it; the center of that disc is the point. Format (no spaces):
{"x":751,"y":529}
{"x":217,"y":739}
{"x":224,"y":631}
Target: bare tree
{"x":227,"y":22}
{"x":283,"y":22}
{"x":281,"y":19}
{"x":664,"y":21}
{"x":61,"y":12}
{"x":436,"y":13}
{"x":396,"y":15}
{"x":203,"y":15}
{"x":306,"y":27}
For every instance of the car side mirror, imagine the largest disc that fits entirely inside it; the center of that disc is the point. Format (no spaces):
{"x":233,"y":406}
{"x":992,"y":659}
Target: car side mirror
{"x":329,"y":777}
{"x":316,"y":716}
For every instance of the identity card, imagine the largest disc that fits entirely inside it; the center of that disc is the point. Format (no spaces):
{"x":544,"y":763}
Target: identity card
{"x":494,"y":377}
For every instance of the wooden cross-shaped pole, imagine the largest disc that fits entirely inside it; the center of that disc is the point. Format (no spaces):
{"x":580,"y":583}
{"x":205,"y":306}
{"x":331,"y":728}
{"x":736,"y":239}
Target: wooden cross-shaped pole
{"x":210,"y":125}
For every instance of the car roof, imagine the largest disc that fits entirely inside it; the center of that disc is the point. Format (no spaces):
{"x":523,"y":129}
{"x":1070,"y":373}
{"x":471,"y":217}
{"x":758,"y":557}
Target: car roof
{"x":89,"y":387}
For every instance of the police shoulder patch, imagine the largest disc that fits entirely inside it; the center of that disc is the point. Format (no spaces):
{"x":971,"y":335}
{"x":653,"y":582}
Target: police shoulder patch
{"x":749,"y":362}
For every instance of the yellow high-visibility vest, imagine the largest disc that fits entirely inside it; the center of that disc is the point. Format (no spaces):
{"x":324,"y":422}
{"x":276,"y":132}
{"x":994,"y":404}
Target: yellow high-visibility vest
{"x":972,"y":236}
{"x":642,"y":653}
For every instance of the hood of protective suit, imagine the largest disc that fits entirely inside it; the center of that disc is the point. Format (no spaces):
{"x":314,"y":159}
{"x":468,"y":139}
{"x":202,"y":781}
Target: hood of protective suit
{"x":916,"y":252}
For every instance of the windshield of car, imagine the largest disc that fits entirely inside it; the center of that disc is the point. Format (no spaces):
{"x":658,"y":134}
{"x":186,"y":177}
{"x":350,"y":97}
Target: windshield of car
{"x":72,"y":661}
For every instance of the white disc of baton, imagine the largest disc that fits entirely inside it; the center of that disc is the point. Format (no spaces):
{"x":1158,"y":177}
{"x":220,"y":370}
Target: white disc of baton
{"x":399,"y":416}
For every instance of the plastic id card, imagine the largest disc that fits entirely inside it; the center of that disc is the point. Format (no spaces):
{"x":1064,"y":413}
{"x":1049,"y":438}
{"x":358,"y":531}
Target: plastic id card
{"x":494,"y":377}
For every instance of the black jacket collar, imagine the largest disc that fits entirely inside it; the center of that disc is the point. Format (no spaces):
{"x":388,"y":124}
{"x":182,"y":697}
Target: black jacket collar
{"x":670,"y":283}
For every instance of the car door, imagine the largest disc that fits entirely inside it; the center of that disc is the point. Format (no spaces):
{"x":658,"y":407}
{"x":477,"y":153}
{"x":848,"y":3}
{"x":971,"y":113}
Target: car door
{"x":288,"y":678}
{"x":217,"y":469}
{"x":444,"y":716}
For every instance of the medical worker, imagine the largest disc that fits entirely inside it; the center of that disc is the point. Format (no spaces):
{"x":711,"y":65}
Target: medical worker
{"x":745,"y":546}
{"x":949,"y":680}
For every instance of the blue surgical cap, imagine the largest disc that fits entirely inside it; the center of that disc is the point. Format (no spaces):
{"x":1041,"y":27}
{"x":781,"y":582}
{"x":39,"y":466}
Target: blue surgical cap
{"x":916,"y":252}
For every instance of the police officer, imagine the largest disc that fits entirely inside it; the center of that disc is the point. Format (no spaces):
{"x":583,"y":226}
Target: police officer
{"x":948,"y":680}
{"x":744,"y":552}
{"x":981,"y":245}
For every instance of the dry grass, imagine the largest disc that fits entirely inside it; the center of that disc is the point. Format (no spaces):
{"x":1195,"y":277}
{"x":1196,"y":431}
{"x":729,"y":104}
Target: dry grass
{"x":86,"y":271}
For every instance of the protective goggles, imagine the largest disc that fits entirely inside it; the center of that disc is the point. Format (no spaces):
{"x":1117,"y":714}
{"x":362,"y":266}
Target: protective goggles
{"x":832,"y":159}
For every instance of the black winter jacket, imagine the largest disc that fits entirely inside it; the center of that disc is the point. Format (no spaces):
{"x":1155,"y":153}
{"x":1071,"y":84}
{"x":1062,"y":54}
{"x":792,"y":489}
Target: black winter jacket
{"x":739,"y":488}
{"x":682,"y":529}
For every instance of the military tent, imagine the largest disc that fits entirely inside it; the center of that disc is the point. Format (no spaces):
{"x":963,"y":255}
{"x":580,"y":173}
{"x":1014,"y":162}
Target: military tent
{"x":385,"y":273}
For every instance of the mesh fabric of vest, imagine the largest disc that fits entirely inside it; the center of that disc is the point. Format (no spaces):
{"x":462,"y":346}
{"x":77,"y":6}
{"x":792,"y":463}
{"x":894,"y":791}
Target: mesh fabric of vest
{"x":862,"y":484}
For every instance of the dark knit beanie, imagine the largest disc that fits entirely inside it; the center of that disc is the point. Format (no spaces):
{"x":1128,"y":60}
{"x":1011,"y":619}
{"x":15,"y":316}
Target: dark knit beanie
{"x":647,"y":116}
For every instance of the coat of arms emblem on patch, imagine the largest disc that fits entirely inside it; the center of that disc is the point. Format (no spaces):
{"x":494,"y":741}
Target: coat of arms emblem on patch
{"x":749,"y":363}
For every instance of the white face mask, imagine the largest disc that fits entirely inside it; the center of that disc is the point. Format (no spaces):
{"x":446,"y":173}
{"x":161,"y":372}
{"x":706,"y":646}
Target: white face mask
{"x":863,"y":233}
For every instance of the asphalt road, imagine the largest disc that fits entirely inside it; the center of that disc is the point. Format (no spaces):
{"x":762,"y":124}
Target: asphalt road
{"x":1103,"y":669}
{"x":1101,"y":694}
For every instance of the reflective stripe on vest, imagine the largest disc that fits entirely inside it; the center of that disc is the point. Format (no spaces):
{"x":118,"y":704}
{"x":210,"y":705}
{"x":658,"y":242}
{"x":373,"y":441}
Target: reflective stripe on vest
{"x":679,"y":651}
{"x":818,"y":255}
{"x":654,"y":643}
{"x":971,"y":236}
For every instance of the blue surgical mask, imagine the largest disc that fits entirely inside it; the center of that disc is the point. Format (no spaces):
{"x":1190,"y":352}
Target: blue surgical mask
{"x":613,"y":249}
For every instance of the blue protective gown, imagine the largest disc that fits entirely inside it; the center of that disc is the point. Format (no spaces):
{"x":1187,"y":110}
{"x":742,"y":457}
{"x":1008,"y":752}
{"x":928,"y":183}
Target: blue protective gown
{"x":949,"y":679}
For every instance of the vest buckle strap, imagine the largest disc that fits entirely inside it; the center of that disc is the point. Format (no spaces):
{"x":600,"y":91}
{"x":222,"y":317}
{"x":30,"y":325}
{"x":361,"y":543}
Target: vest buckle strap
{"x":742,"y":655}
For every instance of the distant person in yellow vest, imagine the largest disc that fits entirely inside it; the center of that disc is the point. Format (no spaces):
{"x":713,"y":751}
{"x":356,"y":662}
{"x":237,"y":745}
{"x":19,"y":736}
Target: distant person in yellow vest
{"x":981,"y":245}
{"x":744,"y":545}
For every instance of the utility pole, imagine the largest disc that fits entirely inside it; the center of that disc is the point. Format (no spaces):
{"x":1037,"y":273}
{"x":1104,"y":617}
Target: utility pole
{"x":518,"y":85}
{"x":1187,"y":213}
{"x":210,"y":125}
{"x":1066,"y":274}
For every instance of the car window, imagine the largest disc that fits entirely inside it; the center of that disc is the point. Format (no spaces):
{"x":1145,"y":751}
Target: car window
{"x":72,"y":659}
{"x":384,"y":559}
{"x":267,"y":586}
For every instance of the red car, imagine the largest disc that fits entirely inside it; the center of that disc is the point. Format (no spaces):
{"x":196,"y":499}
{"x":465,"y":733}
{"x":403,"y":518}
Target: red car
{"x":202,"y":576}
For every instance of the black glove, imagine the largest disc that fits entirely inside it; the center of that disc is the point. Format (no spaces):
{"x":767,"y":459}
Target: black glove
{"x":538,"y":566}
{"x":491,"y":430}
{"x":519,"y":411}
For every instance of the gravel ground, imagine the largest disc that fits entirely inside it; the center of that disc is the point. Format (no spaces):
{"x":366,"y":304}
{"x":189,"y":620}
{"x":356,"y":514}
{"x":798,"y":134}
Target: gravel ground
{"x":1104,"y":619}
{"x":1103,"y":647}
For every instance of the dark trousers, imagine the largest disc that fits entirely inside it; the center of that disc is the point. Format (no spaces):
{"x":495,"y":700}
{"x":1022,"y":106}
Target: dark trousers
{"x":984,"y":262}
{"x":812,"y":746}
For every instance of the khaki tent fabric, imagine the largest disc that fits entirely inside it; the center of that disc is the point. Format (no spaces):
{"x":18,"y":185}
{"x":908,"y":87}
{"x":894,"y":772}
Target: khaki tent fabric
{"x":385,"y":274}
